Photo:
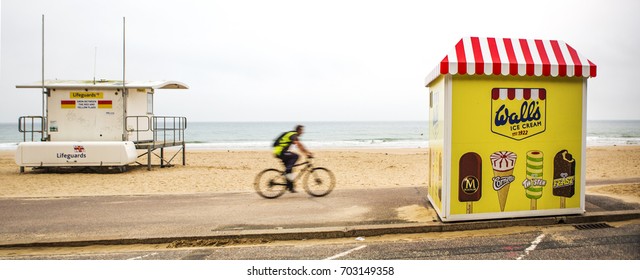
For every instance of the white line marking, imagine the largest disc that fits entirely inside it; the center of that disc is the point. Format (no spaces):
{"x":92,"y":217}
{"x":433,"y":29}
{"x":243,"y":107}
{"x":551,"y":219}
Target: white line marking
{"x":345,"y":253}
{"x":142,"y":257}
{"x":533,"y":246}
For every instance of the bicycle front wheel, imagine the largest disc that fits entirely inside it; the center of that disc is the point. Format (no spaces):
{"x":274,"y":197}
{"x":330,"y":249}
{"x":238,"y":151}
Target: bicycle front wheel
{"x":319,"y":181}
{"x":270,"y":183}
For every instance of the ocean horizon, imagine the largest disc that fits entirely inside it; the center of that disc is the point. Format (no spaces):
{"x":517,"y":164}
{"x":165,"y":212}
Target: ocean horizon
{"x":340,"y":135}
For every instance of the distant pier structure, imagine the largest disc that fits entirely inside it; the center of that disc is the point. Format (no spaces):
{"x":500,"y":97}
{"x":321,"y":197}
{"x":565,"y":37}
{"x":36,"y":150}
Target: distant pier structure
{"x":103,"y":123}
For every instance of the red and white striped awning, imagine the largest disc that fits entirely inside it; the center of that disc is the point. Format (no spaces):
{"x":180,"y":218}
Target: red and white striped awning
{"x":515,"y":57}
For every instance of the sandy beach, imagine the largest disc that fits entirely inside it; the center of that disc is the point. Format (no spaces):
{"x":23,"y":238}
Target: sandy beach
{"x":613,"y":171}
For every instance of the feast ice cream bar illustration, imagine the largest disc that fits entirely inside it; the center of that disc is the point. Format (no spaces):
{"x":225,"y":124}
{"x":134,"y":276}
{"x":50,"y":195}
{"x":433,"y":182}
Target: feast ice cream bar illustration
{"x":533,"y":184}
{"x":470,"y":179}
{"x":564,"y":179}
{"x":503,"y":163}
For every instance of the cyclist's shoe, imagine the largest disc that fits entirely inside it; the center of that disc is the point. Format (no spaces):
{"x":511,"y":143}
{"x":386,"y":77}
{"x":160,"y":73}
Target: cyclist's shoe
{"x":290,"y":186}
{"x":292,"y":190}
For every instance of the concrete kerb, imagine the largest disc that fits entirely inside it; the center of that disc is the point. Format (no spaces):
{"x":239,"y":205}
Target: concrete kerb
{"x":346,"y":232}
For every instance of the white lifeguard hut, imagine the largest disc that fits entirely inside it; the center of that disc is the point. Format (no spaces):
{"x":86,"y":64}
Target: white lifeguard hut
{"x":98,"y":123}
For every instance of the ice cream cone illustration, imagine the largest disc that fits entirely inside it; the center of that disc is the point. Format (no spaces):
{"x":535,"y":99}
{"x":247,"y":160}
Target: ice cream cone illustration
{"x":503,"y":163}
{"x":534,"y":183}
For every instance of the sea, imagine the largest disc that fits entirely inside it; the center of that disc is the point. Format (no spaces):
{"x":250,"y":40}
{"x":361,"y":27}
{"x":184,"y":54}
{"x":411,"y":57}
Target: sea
{"x":339,"y":135}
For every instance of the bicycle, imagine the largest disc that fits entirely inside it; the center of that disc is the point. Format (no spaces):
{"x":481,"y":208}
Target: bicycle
{"x":318,"y":181}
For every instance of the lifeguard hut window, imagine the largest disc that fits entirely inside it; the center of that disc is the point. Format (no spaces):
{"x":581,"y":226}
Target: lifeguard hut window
{"x":150,"y":103}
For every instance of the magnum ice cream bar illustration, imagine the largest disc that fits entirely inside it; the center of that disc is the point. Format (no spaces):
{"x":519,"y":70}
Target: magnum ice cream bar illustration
{"x":503,"y":163}
{"x":470,"y":179}
{"x":564,"y":176}
{"x":533,"y":184}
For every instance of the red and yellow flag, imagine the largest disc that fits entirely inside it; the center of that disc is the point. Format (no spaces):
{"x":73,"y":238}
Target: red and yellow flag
{"x":105,"y":104}
{"x":68,"y":104}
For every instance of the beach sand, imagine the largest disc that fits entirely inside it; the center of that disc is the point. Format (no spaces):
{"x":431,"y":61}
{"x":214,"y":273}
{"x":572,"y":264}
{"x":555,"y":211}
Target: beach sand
{"x":234,"y":171}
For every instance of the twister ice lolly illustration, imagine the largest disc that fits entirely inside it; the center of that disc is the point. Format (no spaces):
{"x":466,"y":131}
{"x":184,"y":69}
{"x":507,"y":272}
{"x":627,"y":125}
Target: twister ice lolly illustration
{"x":470,"y":179}
{"x":564,"y":179}
{"x":533,"y":184}
{"x":503,"y":163}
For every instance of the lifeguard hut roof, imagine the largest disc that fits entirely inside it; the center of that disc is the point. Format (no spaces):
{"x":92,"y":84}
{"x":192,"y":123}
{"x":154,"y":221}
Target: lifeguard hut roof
{"x":513,"y":57}
{"x":105,"y":84}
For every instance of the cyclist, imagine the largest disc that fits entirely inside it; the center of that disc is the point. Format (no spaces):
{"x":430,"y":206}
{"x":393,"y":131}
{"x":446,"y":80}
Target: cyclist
{"x":281,"y":151}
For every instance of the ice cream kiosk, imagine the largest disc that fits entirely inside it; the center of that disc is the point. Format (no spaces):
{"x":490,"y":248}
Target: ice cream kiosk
{"x":507,"y":129}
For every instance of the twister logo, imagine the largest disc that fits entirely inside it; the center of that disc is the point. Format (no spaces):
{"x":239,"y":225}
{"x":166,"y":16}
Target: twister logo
{"x":518,"y":113}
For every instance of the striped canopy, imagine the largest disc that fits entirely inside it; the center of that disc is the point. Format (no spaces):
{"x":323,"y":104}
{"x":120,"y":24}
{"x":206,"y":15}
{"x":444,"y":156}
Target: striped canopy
{"x":515,"y":57}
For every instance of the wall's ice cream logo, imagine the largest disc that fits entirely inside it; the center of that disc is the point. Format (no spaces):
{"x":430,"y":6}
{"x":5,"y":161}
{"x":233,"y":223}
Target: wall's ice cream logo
{"x":518,"y":113}
{"x":533,"y":184}
{"x":503,"y":163}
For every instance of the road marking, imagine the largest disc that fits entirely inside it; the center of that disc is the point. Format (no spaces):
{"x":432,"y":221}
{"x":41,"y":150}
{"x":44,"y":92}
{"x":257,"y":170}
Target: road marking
{"x":142,"y":257}
{"x":345,"y":253}
{"x":533,"y":246}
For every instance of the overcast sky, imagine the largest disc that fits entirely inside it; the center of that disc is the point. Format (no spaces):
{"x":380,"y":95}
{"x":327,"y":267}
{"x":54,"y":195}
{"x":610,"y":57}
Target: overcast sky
{"x":300,"y":60}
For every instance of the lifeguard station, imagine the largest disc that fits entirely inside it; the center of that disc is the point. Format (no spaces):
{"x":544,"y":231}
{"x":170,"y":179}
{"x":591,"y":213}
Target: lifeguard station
{"x":99,"y":124}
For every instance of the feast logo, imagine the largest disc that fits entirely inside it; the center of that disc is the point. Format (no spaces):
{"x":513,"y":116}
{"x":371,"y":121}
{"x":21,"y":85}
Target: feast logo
{"x":518,"y":113}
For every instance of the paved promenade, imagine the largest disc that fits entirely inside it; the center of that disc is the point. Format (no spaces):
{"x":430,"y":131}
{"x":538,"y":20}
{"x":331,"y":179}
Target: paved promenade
{"x":76,"y":221}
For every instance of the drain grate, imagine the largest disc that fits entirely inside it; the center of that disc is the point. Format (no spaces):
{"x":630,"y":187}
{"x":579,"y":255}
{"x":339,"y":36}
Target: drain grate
{"x":592,"y":226}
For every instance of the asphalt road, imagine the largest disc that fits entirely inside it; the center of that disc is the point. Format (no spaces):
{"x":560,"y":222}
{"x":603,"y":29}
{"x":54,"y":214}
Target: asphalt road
{"x":183,"y":219}
{"x":602,"y":241}
{"x":130,"y":219}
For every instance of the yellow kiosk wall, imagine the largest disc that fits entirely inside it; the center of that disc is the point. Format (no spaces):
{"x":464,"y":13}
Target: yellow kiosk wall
{"x":437,"y":124}
{"x":560,"y":128}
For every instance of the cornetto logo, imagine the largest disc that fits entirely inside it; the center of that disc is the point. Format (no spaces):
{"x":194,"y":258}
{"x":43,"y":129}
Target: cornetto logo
{"x":518,"y":113}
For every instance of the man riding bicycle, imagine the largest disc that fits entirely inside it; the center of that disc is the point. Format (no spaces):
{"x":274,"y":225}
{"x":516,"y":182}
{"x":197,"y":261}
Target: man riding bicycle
{"x":281,"y":151}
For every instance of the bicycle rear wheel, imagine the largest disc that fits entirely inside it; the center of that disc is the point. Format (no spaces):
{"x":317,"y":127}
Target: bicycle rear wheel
{"x":319,"y":182}
{"x":270,"y":183}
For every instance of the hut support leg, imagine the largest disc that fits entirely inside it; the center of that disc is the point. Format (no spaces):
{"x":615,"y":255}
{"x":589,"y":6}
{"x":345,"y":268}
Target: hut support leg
{"x":161,"y":157}
{"x":149,"y":158}
{"x":184,"y":160}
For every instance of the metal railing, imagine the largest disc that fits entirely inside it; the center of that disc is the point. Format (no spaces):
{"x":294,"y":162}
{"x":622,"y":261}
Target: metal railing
{"x":171,"y":128}
{"x":27,"y":125}
{"x":136,"y":128}
{"x":167,"y":130}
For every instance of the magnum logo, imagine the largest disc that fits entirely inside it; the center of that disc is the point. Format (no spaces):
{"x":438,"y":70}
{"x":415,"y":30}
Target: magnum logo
{"x":470,"y":185}
{"x":518,"y":113}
